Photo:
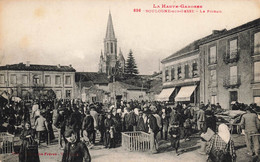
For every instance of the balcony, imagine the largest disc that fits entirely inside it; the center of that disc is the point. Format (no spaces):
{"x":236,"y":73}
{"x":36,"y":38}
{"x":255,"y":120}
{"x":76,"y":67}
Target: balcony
{"x":231,"y":57}
{"x":232,"y":81}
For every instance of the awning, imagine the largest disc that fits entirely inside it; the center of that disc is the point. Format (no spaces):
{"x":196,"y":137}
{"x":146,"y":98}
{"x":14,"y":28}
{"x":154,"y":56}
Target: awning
{"x":185,"y":93}
{"x":165,"y":94}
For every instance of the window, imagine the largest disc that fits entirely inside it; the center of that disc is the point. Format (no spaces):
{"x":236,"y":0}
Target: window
{"x":47,"y":79}
{"x":36,"y":79}
{"x":257,"y":100}
{"x":25,"y":79}
{"x":213,"y":55}
{"x":213,"y":77}
{"x":213,"y":100}
{"x":13,"y":79}
{"x":111,"y":47}
{"x":58,"y":94}
{"x":233,"y":75}
{"x":179,"y":72}
{"x":2,"y":79}
{"x":257,"y":71}
{"x":194,"y":69}
{"x":68,"y":93}
{"x":257,"y":43}
{"x":233,"y":49}
{"x":187,"y":71}
{"x":166,"y":75}
{"x":67,"y":80}
{"x":57,"y":80}
{"x":172,"y":73}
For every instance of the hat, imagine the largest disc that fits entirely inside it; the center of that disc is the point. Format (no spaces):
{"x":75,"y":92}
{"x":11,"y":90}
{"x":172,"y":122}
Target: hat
{"x":68,"y":133}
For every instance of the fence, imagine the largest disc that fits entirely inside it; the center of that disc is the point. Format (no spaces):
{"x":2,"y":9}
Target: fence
{"x":6,"y":143}
{"x":138,"y":141}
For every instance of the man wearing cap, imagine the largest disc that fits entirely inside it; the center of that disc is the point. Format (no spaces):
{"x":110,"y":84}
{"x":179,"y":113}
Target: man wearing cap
{"x":250,"y":123}
{"x":75,"y":150}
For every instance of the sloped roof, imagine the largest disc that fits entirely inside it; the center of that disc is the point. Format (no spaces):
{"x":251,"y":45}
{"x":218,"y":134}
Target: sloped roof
{"x":225,"y":32}
{"x":33,"y":67}
{"x":85,"y":84}
{"x":96,"y":78}
{"x":189,"y":48}
{"x":130,"y":87}
{"x":217,"y":34}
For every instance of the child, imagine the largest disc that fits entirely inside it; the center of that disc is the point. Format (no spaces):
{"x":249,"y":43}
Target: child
{"x":174,"y":132}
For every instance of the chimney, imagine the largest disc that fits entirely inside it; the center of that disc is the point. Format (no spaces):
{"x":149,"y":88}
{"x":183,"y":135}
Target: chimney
{"x":218,"y":31}
{"x":58,"y":65}
{"x":27,"y":63}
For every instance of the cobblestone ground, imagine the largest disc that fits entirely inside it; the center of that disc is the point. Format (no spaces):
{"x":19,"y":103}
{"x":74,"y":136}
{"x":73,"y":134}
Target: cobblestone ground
{"x":188,"y":149}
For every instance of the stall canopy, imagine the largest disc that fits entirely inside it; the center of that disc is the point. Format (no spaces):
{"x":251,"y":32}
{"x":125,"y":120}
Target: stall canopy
{"x":165,"y":94}
{"x":185,"y":93}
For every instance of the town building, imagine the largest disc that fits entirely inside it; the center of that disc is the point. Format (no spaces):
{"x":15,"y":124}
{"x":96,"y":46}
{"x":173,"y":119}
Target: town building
{"x":92,"y":87}
{"x":126,"y":92}
{"x":181,"y":76}
{"x":109,"y":60}
{"x":31,"y":81}
{"x":230,"y":65}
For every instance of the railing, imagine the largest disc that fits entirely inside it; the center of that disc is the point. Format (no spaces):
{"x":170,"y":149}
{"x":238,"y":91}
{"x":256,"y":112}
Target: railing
{"x":6,"y":143}
{"x":233,"y":56}
{"x":138,"y":141}
{"x":232,"y":81}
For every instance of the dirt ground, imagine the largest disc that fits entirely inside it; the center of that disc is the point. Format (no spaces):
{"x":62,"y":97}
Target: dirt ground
{"x":188,"y":149}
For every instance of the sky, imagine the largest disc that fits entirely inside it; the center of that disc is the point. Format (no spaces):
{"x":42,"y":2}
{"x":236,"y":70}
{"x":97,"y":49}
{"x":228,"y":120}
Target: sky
{"x":71,"y":32}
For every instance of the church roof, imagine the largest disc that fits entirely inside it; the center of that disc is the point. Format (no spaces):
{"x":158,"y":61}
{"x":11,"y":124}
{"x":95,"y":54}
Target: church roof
{"x":121,"y":56}
{"x":110,"y":34}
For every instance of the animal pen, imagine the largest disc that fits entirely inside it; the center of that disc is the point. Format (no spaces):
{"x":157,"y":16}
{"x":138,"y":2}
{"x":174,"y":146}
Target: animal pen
{"x":138,"y":141}
{"x":6,"y":143}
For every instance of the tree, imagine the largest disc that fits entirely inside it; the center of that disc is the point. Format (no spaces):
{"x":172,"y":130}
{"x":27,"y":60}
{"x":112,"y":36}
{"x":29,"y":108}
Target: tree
{"x":131,"y":67}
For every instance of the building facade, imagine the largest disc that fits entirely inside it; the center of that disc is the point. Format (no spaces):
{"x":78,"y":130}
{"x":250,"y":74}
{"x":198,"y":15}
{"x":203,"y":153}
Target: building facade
{"x":110,"y":59}
{"x":226,"y":65}
{"x":37,"y":81}
{"x":181,"y":75}
{"x":230,"y":61}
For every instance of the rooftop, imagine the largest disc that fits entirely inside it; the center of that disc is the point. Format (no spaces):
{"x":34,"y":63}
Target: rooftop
{"x":96,"y":78}
{"x":34,"y":67}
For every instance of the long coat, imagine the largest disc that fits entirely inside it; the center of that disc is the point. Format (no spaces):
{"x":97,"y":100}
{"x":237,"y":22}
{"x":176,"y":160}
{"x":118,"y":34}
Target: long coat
{"x":26,"y":155}
{"x":76,"y":152}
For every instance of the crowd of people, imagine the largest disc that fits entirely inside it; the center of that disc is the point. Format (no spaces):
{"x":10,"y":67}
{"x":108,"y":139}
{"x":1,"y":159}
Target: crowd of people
{"x":80,"y":123}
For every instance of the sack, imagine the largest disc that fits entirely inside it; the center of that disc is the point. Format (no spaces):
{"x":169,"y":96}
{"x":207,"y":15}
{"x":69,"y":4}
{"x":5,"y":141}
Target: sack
{"x":208,"y":135}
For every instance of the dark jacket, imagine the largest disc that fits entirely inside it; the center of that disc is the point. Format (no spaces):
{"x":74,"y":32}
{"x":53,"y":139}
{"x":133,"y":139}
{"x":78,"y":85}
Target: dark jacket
{"x":88,"y":123}
{"x":26,"y":155}
{"x":141,"y":126}
{"x":76,"y":152}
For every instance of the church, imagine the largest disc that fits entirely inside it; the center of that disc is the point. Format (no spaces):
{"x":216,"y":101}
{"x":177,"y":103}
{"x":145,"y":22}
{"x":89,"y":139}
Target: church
{"x":109,"y":60}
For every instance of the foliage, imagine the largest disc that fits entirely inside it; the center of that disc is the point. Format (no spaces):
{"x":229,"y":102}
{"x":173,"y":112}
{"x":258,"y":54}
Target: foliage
{"x":131,"y":67}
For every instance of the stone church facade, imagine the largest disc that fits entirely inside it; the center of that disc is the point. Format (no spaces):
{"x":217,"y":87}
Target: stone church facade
{"x":110,"y":58}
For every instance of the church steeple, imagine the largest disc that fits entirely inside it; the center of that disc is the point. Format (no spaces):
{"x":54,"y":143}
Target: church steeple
{"x":110,"y":34}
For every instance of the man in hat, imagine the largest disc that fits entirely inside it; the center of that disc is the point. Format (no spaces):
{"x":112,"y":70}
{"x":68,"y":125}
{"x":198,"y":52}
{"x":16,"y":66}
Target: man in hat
{"x":88,"y":125}
{"x":251,"y":123}
{"x":75,"y":150}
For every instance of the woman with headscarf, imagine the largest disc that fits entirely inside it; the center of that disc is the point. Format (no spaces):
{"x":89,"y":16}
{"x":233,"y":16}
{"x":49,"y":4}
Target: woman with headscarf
{"x":221,"y":146}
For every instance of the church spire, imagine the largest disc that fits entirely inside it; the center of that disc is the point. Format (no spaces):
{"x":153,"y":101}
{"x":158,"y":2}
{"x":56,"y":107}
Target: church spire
{"x":110,"y":29}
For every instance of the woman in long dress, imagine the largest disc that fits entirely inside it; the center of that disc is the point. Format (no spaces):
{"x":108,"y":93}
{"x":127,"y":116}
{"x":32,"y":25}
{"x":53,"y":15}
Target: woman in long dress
{"x":27,"y":136}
